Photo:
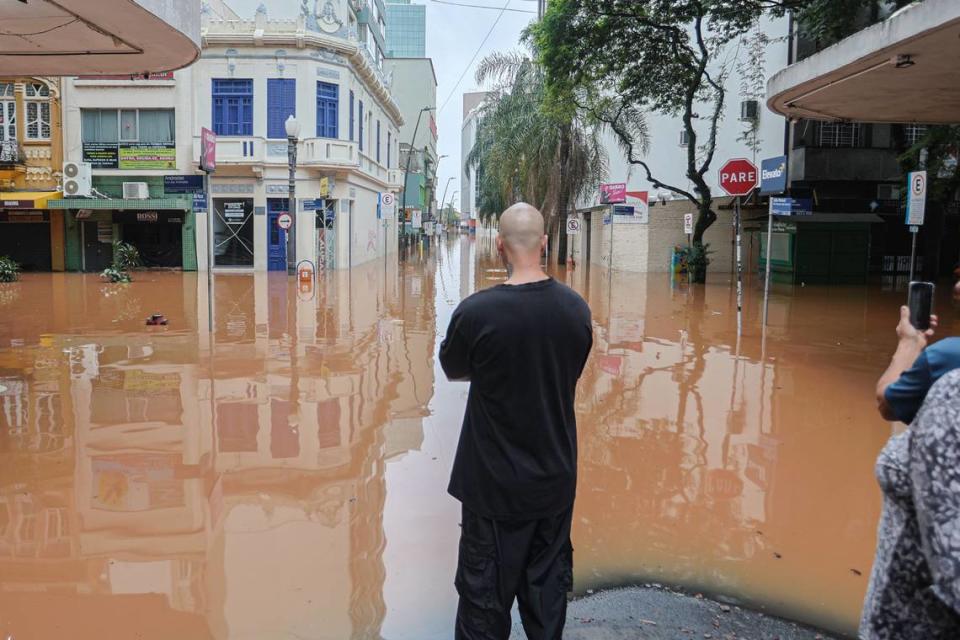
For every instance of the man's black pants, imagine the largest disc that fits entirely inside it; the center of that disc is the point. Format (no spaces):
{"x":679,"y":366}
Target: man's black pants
{"x":530,"y":560}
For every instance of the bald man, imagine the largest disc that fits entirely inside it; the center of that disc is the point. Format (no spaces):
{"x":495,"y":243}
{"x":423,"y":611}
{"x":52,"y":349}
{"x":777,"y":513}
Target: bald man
{"x":522,"y":345}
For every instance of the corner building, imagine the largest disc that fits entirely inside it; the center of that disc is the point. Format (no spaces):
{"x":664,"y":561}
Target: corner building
{"x":254,"y":74}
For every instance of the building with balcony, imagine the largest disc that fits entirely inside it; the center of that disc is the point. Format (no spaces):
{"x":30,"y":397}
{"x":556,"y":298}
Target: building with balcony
{"x":136,"y":135}
{"x":31,"y":155}
{"x":323,"y":67}
{"x":406,"y":29}
{"x":469,"y":180}
{"x":415,"y":88}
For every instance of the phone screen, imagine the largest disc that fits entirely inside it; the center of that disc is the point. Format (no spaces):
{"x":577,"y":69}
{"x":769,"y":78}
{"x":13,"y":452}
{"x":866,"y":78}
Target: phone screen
{"x":920,"y":302}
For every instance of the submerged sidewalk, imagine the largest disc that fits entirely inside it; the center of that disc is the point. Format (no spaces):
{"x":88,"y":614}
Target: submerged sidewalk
{"x":642,"y":613}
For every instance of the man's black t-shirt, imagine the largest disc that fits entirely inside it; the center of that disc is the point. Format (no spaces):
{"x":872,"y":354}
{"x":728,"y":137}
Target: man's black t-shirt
{"x":523,"y":348}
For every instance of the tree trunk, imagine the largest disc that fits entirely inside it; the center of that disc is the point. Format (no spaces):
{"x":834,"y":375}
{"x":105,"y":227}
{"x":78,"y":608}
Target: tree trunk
{"x":698,"y":260}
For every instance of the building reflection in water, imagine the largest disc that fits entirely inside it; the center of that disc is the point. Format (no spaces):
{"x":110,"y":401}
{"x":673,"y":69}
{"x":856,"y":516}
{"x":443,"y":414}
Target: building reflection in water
{"x":286,"y":476}
{"x":149,"y":488}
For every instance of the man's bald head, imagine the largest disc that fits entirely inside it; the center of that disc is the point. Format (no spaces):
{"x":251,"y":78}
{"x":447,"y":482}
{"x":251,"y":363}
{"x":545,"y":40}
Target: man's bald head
{"x":522,"y":229}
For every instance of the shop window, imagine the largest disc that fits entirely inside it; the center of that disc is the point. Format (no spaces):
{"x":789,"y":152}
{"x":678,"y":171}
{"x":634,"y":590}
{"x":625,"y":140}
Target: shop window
{"x":8,"y":112}
{"x":233,"y":107}
{"x":281,"y":104}
{"x":914,"y":133}
{"x":38,"y":111}
{"x":149,"y":126}
{"x":840,"y":134}
{"x":328,"y":108}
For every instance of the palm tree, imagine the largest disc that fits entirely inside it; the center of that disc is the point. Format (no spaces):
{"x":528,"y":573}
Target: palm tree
{"x":526,"y":152}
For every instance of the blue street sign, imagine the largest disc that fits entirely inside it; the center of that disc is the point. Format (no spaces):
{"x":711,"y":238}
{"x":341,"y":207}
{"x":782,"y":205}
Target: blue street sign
{"x":182,"y":184}
{"x":791,"y":206}
{"x":773,"y":176}
{"x":200,"y":202}
{"x":312,"y":205}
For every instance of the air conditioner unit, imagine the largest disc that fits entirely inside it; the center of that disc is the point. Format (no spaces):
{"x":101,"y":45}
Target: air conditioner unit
{"x":749,"y":110}
{"x":77,"y":179}
{"x":889,"y":192}
{"x":136,"y":191}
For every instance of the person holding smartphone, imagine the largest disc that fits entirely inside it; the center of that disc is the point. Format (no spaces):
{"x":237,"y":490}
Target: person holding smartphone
{"x":915,"y":367}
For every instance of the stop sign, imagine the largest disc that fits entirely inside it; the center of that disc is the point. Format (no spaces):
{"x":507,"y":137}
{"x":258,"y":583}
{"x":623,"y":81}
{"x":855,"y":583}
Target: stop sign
{"x":738,"y":177}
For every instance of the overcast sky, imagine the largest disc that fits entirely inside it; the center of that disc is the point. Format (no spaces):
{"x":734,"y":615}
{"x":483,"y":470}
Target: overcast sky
{"x":454,"y":34}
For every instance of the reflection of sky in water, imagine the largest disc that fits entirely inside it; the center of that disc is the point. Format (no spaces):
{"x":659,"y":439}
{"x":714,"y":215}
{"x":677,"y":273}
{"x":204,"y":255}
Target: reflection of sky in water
{"x":309,"y":475}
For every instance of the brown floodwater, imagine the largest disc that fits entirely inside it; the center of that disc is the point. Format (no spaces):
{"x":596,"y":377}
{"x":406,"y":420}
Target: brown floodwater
{"x":285,"y":476}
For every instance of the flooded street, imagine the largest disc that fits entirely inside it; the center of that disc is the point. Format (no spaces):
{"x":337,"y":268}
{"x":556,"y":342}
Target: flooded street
{"x":286,"y":476}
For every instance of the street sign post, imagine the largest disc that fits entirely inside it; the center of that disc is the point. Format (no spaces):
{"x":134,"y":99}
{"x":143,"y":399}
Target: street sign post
{"x":688,"y":225}
{"x":773,"y":182}
{"x":916,"y":209}
{"x":573,"y":226}
{"x":738,"y":177}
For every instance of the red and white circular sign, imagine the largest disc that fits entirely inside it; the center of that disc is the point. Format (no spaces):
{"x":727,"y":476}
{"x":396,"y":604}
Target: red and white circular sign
{"x":285,"y":221}
{"x":738,"y":177}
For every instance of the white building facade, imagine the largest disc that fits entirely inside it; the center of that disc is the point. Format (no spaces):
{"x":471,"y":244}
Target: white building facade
{"x":472,"y":105}
{"x":254,"y":74}
{"x":746,"y":131}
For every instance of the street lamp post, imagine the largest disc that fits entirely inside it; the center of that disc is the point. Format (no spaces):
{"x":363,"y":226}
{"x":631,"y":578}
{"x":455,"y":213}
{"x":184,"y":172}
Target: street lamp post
{"x":450,"y":208}
{"x":406,"y":173}
{"x":293,"y":133}
{"x":443,"y":200}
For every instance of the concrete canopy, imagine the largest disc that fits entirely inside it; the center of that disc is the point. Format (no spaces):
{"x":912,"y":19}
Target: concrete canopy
{"x":101,"y":37}
{"x":901,"y":70}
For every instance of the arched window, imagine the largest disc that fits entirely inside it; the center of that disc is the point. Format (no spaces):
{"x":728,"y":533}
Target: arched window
{"x":38,"y":111}
{"x":8,"y":112}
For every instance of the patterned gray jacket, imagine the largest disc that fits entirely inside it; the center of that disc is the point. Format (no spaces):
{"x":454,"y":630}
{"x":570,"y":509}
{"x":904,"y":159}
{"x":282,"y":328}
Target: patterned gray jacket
{"x":914,"y":591}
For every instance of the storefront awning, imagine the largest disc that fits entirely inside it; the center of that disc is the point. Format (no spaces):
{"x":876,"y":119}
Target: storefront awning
{"x":150,"y":204}
{"x":28,"y":199}
{"x":901,"y":70}
{"x":81,"y":37}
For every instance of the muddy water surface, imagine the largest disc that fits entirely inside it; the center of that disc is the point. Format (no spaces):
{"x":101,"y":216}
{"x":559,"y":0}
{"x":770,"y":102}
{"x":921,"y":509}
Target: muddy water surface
{"x":285,"y":476}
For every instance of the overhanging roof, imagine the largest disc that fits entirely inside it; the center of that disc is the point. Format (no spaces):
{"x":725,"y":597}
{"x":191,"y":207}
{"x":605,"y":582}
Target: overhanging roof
{"x":858,"y":79}
{"x":97,"y":37}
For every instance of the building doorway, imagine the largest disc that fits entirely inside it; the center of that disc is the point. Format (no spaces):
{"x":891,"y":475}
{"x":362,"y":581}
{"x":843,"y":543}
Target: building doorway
{"x":233,"y":232}
{"x":276,"y":237}
{"x":97,"y":237}
{"x":157,"y":235}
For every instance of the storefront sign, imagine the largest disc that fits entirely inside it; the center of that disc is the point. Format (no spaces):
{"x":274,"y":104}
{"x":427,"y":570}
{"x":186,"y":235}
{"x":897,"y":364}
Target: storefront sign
{"x":324,"y":187}
{"x":146,"y":216}
{"x":208,"y":150}
{"x":182,"y":184}
{"x":791,"y":206}
{"x":773,"y":176}
{"x":23,"y":216}
{"x":234,"y":188}
{"x":125,"y":155}
{"x":613,"y":193}
{"x":234,"y":212}
{"x":17,"y":204}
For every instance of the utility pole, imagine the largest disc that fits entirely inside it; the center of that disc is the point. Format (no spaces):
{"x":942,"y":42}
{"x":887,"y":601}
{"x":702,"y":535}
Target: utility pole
{"x":541,"y":8}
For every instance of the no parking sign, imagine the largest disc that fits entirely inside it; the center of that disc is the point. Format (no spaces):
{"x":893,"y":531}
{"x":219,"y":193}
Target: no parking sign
{"x":285,"y":221}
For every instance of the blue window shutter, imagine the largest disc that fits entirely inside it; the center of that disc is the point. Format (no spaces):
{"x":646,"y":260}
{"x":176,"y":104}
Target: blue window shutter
{"x":378,"y":141}
{"x":351,"y":116}
{"x":389,"y":144}
{"x":281,"y":104}
{"x":328,"y":110}
{"x":232,"y":107}
{"x":361,"y":125}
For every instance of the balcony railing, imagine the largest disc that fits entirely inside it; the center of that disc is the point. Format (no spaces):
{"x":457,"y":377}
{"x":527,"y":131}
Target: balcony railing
{"x":11,"y":153}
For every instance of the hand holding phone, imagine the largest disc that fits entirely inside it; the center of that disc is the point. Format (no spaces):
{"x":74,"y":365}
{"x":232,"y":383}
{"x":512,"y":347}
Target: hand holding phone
{"x":920,"y":302}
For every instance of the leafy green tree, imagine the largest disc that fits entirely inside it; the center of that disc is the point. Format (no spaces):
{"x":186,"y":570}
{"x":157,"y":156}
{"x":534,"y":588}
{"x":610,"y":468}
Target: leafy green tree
{"x":620,"y":59}
{"x":524,"y":151}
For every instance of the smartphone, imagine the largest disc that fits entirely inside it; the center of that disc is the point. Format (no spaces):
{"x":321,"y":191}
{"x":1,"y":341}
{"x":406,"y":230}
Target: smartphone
{"x":920,"y":301}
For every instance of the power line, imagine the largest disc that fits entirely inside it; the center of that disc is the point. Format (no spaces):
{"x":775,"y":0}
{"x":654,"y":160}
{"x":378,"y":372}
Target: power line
{"x":480,"y":6}
{"x":476,"y":53}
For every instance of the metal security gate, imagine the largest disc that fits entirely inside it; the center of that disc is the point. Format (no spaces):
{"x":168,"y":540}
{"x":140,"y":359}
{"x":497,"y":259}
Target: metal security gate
{"x":233,"y":233}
